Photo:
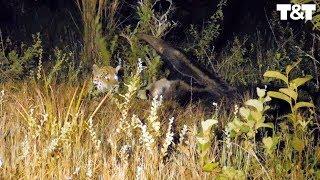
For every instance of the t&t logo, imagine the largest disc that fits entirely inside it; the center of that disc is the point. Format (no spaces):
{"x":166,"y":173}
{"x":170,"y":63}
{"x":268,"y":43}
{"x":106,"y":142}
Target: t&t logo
{"x":297,"y":11}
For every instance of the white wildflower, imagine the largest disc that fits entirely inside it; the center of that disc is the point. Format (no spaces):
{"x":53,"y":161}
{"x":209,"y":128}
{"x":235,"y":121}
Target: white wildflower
{"x":140,"y":66}
{"x":236,"y":109}
{"x":52,"y":146}
{"x":168,"y":139}
{"x":54,"y":143}
{"x":25,"y":148}
{"x":93,"y":135}
{"x":39,"y":69}
{"x":76,"y":171}
{"x":1,"y":162}
{"x":125,"y":150}
{"x":183,"y":133}
{"x":139,"y":171}
{"x":146,"y":138}
{"x":64,"y":130}
{"x":135,"y":121}
{"x":89,"y":169}
{"x":153,"y":117}
{"x":1,"y":96}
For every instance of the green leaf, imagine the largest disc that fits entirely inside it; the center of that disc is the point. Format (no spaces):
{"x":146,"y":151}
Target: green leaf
{"x":268,"y":142}
{"x":244,"y":128}
{"x":255,"y":103}
{"x":291,"y":93}
{"x":257,"y":116}
{"x":204,"y":147}
{"x":266,"y":125}
{"x":288,"y":69}
{"x":279,"y":95}
{"x":301,"y":81}
{"x":303,"y":104}
{"x":277,"y":75}
{"x":209,"y":167}
{"x":244,"y":112}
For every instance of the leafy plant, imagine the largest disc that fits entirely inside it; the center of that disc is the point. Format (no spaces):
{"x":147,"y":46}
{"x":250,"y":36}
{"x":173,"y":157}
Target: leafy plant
{"x":204,"y":139}
{"x":290,"y":93}
{"x":202,"y":40}
{"x":20,"y":61}
{"x":251,"y":118}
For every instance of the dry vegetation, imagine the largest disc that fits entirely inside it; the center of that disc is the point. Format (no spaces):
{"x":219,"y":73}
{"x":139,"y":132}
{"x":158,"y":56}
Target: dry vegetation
{"x":60,"y":133}
{"x":54,"y":126}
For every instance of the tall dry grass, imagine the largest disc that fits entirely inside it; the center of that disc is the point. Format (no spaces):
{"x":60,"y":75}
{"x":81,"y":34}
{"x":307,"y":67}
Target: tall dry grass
{"x":61,"y":132}
{"x":54,"y":135}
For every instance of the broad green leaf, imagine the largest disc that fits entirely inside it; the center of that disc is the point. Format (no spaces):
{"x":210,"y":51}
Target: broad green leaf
{"x":206,"y":125}
{"x":301,"y":81}
{"x":209,"y":167}
{"x":291,"y":93}
{"x":277,"y":75}
{"x":279,"y":95}
{"x":244,"y":112}
{"x":257,"y":116}
{"x":303,"y":104}
{"x":255,"y":103}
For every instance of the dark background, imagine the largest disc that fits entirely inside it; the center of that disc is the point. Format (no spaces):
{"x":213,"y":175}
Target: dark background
{"x":20,"y":18}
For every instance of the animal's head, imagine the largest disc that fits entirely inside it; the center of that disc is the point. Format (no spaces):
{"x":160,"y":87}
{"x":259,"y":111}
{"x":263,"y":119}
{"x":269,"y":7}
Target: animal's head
{"x":163,"y":87}
{"x":106,"y":78}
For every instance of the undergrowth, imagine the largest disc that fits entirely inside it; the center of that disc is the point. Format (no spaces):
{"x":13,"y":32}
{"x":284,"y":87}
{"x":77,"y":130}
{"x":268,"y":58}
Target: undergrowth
{"x":56,"y":131}
{"x":52,"y":127}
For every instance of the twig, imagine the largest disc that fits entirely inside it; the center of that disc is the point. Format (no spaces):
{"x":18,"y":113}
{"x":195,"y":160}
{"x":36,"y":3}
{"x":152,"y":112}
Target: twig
{"x":98,"y":107}
{"x":274,"y":35}
{"x":314,"y":62}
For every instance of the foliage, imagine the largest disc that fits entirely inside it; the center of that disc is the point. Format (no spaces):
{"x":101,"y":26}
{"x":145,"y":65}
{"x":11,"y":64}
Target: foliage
{"x":96,"y":49}
{"x":202,"y":40}
{"x":20,"y":61}
{"x":251,"y":117}
{"x":52,"y":128}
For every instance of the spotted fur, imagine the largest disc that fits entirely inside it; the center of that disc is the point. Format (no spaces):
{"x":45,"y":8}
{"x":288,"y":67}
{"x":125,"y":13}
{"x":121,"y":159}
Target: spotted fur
{"x":105,"y":78}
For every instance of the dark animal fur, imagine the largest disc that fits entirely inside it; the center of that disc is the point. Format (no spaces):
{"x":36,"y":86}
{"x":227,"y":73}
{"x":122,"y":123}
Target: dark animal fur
{"x":210,"y":83}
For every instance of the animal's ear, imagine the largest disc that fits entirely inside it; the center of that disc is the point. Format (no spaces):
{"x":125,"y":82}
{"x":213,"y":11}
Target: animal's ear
{"x":118,"y":68}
